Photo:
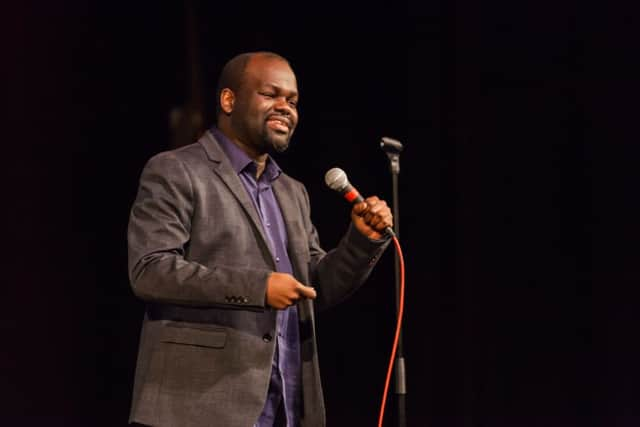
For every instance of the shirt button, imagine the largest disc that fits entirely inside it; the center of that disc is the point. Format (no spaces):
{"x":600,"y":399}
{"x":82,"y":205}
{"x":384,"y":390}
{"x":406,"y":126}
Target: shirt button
{"x":268,"y":224}
{"x":277,"y":259}
{"x":267,"y":338}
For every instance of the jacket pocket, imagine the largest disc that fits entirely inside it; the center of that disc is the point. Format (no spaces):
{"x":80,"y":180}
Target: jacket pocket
{"x":212,"y":338}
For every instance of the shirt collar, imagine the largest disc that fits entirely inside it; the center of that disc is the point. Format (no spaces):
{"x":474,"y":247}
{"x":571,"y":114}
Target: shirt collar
{"x":240,"y":161}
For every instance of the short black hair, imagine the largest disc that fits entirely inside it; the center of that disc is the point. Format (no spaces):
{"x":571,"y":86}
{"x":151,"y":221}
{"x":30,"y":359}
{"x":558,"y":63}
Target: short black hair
{"x":232,"y":75}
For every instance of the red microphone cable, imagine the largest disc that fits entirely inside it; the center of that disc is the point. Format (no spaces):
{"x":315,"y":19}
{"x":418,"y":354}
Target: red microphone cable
{"x":398,"y":328}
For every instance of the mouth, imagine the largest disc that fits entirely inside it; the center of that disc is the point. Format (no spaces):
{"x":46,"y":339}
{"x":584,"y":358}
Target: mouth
{"x":279,"y":124}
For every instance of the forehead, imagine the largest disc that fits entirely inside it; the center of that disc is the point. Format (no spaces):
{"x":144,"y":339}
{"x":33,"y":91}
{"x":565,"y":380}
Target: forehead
{"x":262,"y":70}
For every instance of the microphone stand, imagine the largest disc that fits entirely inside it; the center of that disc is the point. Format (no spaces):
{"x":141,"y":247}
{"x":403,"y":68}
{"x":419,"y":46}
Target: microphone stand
{"x":393,"y":148}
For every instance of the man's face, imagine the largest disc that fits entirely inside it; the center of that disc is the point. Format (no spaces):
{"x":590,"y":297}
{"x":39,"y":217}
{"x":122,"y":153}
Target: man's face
{"x":265,"y":109}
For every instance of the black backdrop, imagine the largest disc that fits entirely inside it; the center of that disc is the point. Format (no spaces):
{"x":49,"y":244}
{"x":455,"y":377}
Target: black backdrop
{"x":517,"y":205}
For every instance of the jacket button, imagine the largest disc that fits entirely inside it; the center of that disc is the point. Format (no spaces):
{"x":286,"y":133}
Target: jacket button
{"x":267,"y":338}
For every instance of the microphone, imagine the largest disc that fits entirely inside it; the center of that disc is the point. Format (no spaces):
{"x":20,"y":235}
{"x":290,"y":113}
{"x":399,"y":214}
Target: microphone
{"x":336,"y":179}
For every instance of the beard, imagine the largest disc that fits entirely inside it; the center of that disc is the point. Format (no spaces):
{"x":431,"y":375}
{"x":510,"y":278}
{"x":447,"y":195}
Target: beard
{"x":279,"y":147}
{"x":276,"y":142}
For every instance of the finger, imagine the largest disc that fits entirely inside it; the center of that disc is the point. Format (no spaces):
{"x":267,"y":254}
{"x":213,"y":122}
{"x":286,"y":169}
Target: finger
{"x":372,"y":219}
{"x":375,"y":222}
{"x":386,"y":221}
{"x":307,"y":292}
{"x":372,"y":200}
{"x":381,"y":226}
{"x":360,"y":208}
{"x":378,"y":207}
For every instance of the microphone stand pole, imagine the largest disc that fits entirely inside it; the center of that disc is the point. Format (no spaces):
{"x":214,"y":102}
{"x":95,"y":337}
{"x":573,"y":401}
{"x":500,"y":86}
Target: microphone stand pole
{"x":393,"y":148}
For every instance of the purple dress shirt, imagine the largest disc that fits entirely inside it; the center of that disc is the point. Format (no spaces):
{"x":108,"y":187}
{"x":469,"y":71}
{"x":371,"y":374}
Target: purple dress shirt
{"x":285,"y":384}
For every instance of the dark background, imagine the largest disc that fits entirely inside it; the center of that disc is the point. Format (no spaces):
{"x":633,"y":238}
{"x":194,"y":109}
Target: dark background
{"x":518,"y":204}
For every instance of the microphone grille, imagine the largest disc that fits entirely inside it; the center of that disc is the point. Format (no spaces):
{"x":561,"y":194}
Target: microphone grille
{"x":336,"y":179}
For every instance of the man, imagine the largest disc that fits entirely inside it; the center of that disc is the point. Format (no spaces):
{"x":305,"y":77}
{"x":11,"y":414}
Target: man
{"x":223,"y":252}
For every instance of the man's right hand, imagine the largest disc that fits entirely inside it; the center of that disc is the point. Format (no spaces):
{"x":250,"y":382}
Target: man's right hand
{"x":283,"y":290}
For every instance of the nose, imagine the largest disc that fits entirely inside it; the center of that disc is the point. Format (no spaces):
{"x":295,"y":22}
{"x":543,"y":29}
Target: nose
{"x":282,"y":106}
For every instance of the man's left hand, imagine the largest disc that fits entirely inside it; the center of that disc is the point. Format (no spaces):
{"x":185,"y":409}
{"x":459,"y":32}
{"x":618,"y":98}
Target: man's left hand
{"x":371,"y":217}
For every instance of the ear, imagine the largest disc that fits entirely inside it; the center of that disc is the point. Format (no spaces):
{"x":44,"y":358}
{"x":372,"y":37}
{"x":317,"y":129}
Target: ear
{"x":227,"y":99}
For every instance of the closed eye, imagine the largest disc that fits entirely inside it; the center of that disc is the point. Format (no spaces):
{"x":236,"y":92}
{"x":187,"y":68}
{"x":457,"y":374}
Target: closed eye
{"x":293,"y":102}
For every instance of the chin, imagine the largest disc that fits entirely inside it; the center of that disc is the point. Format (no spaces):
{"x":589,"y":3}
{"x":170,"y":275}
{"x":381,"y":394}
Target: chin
{"x":279,"y":143}
{"x":280,"y":147}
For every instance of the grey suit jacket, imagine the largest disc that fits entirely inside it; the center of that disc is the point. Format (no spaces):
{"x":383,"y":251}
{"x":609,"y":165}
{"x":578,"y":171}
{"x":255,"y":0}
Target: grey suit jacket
{"x":199,"y":258}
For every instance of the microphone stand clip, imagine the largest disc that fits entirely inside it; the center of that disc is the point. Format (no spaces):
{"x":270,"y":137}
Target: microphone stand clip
{"x":392,"y":148}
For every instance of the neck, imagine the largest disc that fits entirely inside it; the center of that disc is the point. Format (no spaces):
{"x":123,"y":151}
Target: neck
{"x":259,"y":157}
{"x":261,"y":164}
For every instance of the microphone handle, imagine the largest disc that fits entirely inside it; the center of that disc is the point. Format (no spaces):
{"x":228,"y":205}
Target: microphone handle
{"x":351,"y":194}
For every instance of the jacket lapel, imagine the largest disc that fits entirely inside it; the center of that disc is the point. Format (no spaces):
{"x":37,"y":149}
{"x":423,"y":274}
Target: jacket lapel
{"x":284,"y":193}
{"x":223,"y":169}
{"x":290,"y":214}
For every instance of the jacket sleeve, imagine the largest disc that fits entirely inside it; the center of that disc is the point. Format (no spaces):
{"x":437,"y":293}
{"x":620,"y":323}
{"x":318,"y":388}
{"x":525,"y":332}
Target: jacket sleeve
{"x":157,"y":235}
{"x":338,"y":273}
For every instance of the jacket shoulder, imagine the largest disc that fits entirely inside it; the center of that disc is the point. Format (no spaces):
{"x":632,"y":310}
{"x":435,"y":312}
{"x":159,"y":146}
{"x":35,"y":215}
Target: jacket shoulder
{"x":185,"y":153}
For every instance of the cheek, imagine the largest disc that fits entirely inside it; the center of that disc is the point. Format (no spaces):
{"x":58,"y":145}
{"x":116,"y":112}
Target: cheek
{"x":262,"y":106}
{"x":256,"y":114}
